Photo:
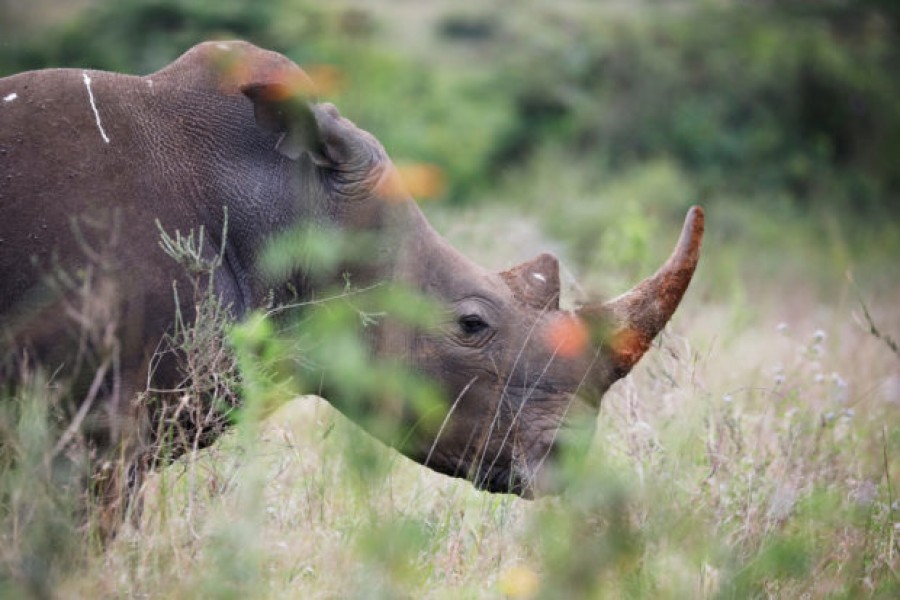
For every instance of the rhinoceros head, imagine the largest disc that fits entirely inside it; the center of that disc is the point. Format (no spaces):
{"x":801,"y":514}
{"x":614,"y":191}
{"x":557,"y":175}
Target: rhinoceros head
{"x":519,"y":375}
{"x":523,"y":377}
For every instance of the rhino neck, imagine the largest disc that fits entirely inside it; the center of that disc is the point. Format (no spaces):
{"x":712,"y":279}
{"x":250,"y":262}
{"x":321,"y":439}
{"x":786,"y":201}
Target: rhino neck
{"x":418,"y":259}
{"x":425,"y":261}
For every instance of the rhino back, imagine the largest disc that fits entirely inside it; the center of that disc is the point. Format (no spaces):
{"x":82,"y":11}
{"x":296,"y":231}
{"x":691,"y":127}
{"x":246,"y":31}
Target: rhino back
{"x":90,"y":160}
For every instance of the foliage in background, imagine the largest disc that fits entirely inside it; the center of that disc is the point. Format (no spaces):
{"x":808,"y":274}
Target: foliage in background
{"x":781,"y":98}
{"x":134,"y":36}
{"x":788,"y":99}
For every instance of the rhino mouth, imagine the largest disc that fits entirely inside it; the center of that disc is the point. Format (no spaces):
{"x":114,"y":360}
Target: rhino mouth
{"x":521,"y":474}
{"x":506,"y":481}
{"x":514,"y":451}
{"x":497,"y":478}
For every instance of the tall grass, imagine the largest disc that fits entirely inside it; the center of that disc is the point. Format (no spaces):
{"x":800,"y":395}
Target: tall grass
{"x":734,"y":472}
{"x":744,"y":457}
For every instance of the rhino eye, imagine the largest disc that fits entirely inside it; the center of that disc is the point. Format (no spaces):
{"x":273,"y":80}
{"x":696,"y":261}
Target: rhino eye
{"x":472,"y":324}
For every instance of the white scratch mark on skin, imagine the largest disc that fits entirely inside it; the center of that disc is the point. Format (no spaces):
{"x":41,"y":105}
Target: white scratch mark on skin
{"x":10,"y":97}
{"x":87,"y":84}
{"x":539,"y":277}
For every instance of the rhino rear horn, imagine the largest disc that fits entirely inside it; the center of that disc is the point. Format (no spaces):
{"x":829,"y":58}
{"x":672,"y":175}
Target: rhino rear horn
{"x":535,"y":282}
{"x":629,"y":323}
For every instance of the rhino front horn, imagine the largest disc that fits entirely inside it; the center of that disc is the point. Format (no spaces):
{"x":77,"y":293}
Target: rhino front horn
{"x":627,"y":324}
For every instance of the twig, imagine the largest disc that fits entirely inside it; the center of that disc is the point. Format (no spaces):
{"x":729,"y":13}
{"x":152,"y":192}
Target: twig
{"x":346,"y":294}
{"x":870,"y":322}
{"x":83,"y":410}
{"x":894,"y":544}
{"x":873,"y":329}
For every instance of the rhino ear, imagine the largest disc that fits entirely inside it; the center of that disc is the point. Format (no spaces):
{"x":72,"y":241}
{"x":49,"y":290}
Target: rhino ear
{"x":535,"y":282}
{"x":283,"y":107}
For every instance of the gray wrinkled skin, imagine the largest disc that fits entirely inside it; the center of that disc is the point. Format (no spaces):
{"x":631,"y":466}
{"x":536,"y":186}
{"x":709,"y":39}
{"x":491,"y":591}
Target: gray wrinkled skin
{"x":89,"y":160}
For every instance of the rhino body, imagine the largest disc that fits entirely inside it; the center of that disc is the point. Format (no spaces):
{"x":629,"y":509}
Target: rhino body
{"x":90,"y":161}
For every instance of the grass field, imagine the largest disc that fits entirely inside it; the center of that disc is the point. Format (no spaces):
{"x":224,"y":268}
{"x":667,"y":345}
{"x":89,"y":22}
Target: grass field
{"x":753,"y":453}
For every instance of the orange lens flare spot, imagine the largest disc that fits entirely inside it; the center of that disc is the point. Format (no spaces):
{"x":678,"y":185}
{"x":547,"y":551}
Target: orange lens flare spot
{"x":419,"y":180}
{"x":329,"y":79}
{"x":423,"y":180}
{"x":292,"y":84}
{"x":568,"y":336}
{"x":237,"y":69}
{"x":390,"y":187}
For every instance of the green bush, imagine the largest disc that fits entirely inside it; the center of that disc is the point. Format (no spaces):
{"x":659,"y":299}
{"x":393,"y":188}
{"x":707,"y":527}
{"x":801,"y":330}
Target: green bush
{"x":780,"y":98}
{"x":743,"y":98}
{"x":136,"y":36}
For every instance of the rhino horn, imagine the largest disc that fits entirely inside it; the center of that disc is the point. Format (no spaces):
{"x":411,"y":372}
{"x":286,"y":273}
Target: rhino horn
{"x":535,"y":282}
{"x":628,"y":323}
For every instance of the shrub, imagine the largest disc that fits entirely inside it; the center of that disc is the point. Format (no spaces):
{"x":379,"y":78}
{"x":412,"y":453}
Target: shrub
{"x":743,"y":97}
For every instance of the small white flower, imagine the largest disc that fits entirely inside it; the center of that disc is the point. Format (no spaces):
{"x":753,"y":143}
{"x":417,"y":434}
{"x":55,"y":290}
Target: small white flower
{"x":781,"y":327}
{"x":727,"y":398}
{"x":819,"y":336}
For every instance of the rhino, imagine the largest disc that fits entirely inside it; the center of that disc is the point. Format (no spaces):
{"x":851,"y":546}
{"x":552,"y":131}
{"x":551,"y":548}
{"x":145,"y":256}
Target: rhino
{"x":230,"y":138}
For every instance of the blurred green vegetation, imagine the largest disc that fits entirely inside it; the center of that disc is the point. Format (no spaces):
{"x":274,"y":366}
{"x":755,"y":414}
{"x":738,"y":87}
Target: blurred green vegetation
{"x":746,"y":98}
{"x":754,"y":99}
